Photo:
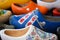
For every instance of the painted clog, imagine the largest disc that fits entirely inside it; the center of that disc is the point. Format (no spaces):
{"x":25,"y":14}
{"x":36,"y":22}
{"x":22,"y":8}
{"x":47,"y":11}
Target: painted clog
{"x":4,"y":15}
{"x":5,"y":4}
{"x":28,"y":33}
{"x":37,"y":19}
{"x":49,"y":3}
{"x":28,"y":7}
{"x":22,"y":9}
{"x":20,"y":21}
{"x":56,"y":12}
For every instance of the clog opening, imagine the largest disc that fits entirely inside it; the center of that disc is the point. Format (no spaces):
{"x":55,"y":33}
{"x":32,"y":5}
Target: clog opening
{"x":20,"y":5}
{"x":48,"y":0}
{"x":53,"y":19}
{"x":16,"y":33}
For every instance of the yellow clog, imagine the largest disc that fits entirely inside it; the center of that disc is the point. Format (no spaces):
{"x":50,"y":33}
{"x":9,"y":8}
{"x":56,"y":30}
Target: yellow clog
{"x":4,"y":4}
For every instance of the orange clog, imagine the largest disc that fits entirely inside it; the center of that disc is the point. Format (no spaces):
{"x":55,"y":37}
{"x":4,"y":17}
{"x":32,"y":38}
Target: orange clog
{"x":23,"y":9}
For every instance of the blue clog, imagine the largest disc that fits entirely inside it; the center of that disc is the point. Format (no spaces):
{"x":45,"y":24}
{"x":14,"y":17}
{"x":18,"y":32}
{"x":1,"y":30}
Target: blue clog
{"x":35,"y":18}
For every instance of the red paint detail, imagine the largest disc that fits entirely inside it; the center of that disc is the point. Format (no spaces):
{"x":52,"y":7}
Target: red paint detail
{"x":33,"y":18}
{"x":26,"y":16}
{"x":29,"y":23}
{"x":21,"y":20}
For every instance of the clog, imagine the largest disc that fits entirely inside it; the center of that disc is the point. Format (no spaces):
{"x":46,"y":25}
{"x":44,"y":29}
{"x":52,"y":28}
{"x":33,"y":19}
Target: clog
{"x":4,"y":15}
{"x":28,"y":33}
{"x":20,"y":21}
{"x":5,"y":4}
{"x":56,"y":12}
{"x":26,"y":8}
{"x":37,"y":19}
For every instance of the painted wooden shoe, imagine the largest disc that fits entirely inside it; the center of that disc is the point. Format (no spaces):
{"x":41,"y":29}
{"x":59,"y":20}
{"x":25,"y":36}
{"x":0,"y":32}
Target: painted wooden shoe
{"x":37,"y":19}
{"x":4,"y":15}
{"x":23,"y":9}
{"x":26,"y":8}
{"x":20,"y":21}
{"x":28,"y":33}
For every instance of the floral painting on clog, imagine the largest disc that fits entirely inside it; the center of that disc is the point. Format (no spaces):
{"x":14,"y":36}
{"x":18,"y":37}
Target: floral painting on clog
{"x":28,"y":33}
{"x":38,"y":34}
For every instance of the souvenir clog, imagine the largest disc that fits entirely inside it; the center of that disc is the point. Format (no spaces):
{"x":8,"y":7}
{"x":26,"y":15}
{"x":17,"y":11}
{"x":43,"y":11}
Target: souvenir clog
{"x":4,"y":4}
{"x":4,"y":15}
{"x":28,"y":33}
{"x":56,"y":12}
{"x":20,"y":21}
{"x":49,"y":3}
{"x":37,"y":19}
{"x":26,"y":8}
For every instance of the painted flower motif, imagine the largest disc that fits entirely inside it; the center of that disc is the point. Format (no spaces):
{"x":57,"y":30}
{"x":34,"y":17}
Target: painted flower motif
{"x":33,"y":33}
{"x":40,"y":35}
{"x":29,"y":37}
{"x":37,"y":37}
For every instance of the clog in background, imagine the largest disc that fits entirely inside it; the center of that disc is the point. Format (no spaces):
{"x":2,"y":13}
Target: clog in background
{"x":24,"y":8}
{"x":56,"y":12}
{"x":4,"y":15}
{"x":28,"y":33}
{"x":49,"y":3}
{"x":28,"y":7}
{"x":37,"y":19}
{"x":4,"y":4}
